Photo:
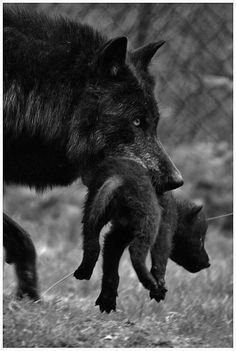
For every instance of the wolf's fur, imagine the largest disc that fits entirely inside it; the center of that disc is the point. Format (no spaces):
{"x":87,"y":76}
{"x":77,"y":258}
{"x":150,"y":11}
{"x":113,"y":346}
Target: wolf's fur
{"x":70,"y":98}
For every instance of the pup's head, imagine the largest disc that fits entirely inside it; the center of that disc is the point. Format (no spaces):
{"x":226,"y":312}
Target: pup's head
{"x":188,"y":242}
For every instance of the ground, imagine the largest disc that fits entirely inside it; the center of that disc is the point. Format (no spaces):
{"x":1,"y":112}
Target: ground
{"x":197,"y":311}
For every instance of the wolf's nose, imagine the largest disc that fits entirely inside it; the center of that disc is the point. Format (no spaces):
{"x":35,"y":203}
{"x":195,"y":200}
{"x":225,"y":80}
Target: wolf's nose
{"x":174,"y":181}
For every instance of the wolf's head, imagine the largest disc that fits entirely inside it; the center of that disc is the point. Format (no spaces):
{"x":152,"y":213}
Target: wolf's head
{"x":125,"y":115}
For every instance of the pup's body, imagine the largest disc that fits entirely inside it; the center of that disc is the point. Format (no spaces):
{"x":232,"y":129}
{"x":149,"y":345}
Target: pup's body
{"x":120,"y":191}
{"x":181,"y":236}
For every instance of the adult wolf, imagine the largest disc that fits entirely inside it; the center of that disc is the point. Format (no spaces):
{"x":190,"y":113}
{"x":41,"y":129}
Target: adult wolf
{"x":71,"y":97}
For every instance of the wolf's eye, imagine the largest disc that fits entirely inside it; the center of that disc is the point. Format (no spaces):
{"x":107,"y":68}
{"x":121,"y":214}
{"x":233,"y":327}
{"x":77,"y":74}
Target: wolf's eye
{"x":136,"y":122}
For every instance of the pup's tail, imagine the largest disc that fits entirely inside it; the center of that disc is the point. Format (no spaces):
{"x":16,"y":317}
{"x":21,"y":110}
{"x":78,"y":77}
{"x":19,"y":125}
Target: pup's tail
{"x":104,"y":196}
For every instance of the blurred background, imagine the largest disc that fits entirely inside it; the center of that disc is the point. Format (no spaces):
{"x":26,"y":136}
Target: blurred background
{"x":194,"y":81}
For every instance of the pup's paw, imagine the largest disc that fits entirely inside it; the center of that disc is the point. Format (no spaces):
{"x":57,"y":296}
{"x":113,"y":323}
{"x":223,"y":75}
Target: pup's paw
{"x":158,"y":294}
{"x":83,"y":272}
{"x":106,"y":303}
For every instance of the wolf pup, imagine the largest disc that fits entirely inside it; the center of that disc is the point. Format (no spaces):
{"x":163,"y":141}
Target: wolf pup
{"x":120,"y":191}
{"x":181,"y":236}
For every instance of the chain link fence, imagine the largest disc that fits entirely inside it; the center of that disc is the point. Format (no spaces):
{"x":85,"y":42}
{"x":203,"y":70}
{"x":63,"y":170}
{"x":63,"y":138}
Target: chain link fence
{"x":194,"y":71}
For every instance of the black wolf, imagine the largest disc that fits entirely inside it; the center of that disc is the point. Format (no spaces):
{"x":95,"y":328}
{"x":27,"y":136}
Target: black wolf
{"x":122,"y":193}
{"x":71,"y":97}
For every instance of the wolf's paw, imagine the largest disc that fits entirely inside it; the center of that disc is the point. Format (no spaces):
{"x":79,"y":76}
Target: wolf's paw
{"x":158,"y":294}
{"x":83,"y":273}
{"x":106,"y":303}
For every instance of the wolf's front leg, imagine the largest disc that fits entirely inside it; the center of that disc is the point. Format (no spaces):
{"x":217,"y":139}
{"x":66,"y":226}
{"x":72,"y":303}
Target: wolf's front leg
{"x":21,"y":252}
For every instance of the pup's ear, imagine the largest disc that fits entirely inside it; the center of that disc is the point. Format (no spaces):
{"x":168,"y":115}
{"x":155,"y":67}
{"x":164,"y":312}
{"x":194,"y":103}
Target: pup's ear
{"x":141,"y":57}
{"x":111,"y":56}
{"x":195,"y":210}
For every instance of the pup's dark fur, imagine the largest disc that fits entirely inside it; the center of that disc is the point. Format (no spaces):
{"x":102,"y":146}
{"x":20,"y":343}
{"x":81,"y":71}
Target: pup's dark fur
{"x":181,"y":236}
{"x":121,"y":192}
{"x":20,"y":251}
{"x":71,"y":96}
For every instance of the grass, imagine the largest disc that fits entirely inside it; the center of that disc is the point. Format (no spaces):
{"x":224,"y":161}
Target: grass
{"x":197,"y":311}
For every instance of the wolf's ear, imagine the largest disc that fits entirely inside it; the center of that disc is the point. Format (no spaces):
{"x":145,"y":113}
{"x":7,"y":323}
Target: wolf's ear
{"x":111,"y":56}
{"x":141,"y":57}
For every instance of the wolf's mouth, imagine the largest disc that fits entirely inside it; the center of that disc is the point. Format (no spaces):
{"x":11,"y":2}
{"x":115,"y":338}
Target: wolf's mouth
{"x":135,"y":159}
